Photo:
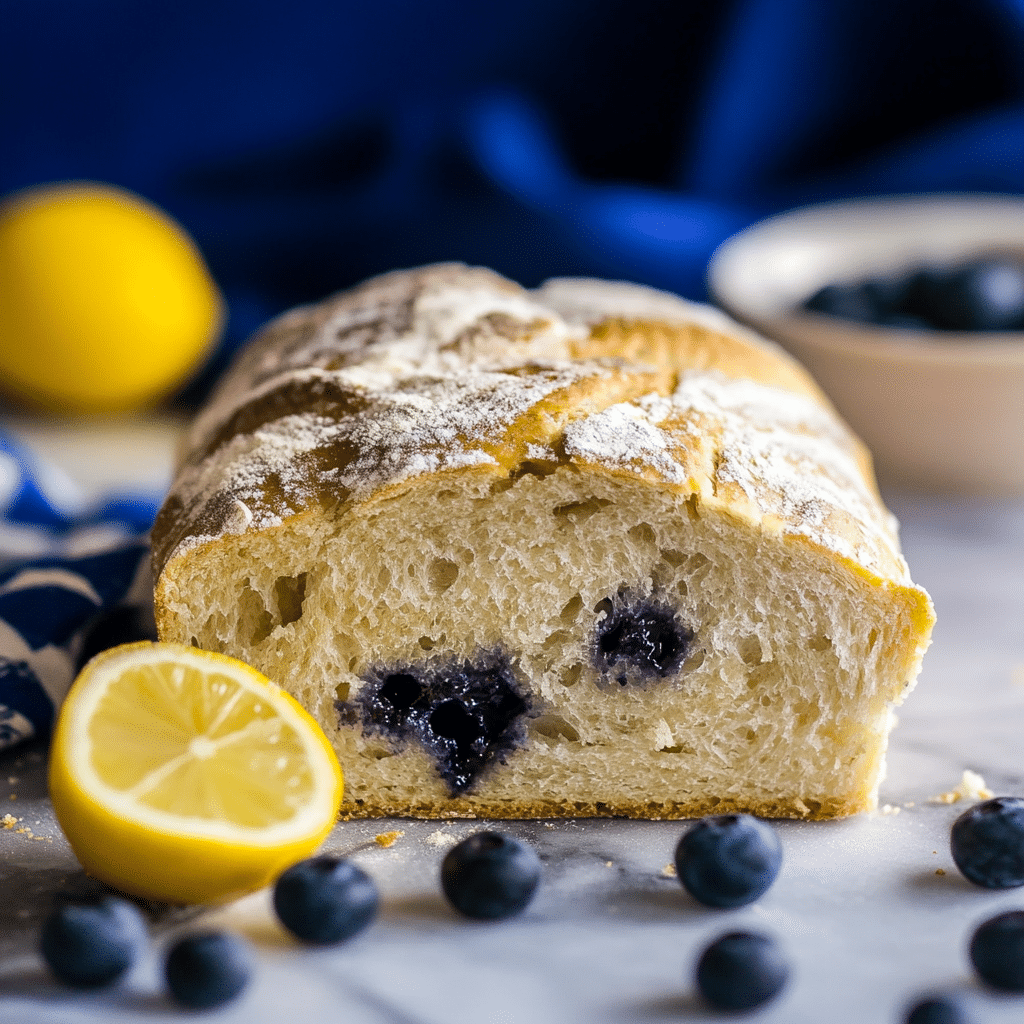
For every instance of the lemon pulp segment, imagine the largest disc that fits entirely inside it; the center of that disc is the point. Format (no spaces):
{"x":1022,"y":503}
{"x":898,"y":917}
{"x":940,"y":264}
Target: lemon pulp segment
{"x":197,"y":745}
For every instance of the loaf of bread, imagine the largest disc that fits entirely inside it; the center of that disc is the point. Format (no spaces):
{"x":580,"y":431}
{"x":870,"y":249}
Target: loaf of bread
{"x":584,"y":550}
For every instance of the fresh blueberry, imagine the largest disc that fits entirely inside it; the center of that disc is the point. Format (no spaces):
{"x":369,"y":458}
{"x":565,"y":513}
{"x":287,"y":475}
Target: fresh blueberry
{"x":983,"y":295}
{"x":89,"y":945}
{"x":923,"y":292}
{"x":741,"y":970}
{"x":945,"y":1008}
{"x":851,"y":302}
{"x":208,"y":969}
{"x":325,"y":900}
{"x":889,"y":296}
{"x":905,"y":322}
{"x":987,"y":843}
{"x":490,"y":876}
{"x":728,"y":861}
{"x":997,"y":951}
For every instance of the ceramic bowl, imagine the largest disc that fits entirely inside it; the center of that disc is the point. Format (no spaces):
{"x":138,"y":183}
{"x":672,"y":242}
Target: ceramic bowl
{"x":939,"y":410}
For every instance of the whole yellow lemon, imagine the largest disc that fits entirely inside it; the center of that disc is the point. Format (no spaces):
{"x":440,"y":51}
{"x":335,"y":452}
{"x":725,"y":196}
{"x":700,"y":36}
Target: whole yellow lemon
{"x":105,"y":302}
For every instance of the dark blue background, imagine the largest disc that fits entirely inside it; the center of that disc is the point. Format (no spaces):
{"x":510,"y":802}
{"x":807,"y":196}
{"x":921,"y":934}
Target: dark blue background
{"x":307,"y":145}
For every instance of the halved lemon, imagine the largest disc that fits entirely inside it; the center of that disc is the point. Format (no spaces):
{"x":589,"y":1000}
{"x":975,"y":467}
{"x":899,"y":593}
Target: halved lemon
{"x":186,"y":776}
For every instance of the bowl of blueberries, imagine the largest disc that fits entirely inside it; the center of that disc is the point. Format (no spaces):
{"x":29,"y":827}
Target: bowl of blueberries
{"x":909,"y":312}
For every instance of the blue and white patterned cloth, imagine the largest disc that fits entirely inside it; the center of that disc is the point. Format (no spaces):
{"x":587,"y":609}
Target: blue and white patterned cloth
{"x":64,"y":564}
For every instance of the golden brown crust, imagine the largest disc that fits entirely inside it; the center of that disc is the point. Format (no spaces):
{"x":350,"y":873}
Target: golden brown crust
{"x":687,"y":346}
{"x":796,"y":808}
{"x":392,"y":380}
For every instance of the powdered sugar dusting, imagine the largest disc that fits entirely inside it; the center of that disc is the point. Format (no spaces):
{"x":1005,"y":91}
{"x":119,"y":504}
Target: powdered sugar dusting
{"x":790,"y":459}
{"x":439,"y":322}
{"x":422,"y":425}
{"x":788,"y":454}
{"x":426,"y":371}
{"x":627,"y":437}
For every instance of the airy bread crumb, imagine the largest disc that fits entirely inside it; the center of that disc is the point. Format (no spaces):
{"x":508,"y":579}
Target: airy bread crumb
{"x":971,"y":787}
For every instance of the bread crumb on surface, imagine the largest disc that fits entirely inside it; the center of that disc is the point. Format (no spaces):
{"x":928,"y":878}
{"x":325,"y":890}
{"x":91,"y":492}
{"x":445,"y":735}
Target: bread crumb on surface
{"x":940,"y":871}
{"x":441,"y":839}
{"x":669,"y":871}
{"x":971,"y":787}
{"x":8,"y":821}
{"x":387,"y":839}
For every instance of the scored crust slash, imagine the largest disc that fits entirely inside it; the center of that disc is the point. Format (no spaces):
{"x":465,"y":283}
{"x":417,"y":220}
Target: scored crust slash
{"x":584,"y":550}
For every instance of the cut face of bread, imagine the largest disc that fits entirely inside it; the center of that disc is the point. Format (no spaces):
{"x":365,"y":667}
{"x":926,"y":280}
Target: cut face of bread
{"x":590,"y":550}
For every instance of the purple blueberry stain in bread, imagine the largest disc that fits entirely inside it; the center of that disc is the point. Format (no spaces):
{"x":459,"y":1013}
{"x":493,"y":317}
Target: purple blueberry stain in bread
{"x":465,"y":714}
{"x":398,"y":694}
{"x":638,"y":640}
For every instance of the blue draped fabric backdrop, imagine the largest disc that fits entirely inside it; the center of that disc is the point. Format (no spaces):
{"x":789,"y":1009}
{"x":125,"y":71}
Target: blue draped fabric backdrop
{"x":307,"y":145}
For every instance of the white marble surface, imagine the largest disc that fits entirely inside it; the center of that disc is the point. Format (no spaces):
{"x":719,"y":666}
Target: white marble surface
{"x":861,"y":905}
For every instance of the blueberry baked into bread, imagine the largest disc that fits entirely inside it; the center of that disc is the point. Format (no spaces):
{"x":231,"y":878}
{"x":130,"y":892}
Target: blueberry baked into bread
{"x":584,"y":550}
